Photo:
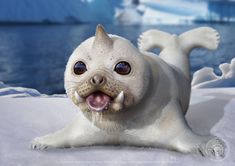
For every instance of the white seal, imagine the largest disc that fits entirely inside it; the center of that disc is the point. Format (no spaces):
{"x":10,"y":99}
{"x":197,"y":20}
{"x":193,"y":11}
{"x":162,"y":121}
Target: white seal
{"x":130,"y":96}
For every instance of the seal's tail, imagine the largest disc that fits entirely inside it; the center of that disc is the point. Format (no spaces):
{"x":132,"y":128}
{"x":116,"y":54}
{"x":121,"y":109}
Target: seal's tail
{"x":204,"y":37}
{"x":175,"y":49}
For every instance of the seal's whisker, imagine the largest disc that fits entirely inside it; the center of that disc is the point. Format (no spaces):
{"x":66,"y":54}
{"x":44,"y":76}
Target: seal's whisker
{"x":72,"y":81}
{"x":70,"y":89}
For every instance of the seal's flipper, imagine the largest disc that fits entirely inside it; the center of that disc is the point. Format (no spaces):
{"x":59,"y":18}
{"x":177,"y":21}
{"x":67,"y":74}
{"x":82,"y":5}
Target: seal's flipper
{"x":204,"y":37}
{"x":153,"y":39}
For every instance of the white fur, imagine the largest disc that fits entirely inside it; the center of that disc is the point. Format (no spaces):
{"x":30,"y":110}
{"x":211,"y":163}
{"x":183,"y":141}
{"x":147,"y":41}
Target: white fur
{"x":160,"y":86}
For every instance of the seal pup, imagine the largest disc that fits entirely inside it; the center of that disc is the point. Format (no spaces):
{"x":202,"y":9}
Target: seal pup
{"x":129,"y":96}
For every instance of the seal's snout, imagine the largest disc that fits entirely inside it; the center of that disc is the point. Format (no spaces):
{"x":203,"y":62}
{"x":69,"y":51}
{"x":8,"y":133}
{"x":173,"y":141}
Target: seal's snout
{"x":97,"y":80}
{"x":98,"y":101}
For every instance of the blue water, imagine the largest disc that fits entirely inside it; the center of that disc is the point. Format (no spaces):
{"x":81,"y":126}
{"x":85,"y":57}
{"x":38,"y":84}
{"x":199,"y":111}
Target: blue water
{"x":35,"y":56}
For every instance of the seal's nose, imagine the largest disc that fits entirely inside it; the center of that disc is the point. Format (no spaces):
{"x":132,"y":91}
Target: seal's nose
{"x":97,"y":80}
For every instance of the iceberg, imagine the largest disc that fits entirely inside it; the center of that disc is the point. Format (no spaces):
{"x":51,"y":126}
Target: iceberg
{"x":150,"y":12}
{"x":178,"y":12}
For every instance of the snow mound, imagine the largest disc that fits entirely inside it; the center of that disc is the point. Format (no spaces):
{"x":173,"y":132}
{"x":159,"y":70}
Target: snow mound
{"x":206,"y":78}
{"x":14,"y":92}
{"x":6,"y":91}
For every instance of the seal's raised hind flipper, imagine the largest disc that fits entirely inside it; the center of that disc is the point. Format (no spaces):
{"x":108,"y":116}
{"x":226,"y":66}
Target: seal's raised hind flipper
{"x":204,"y":37}
{"x":175,"y":49}
{"x":153,"y":39}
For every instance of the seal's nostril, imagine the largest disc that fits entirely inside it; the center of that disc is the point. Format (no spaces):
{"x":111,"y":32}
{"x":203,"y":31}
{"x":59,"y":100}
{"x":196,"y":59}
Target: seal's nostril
{"x":101,"y":81}
{"x":97,"y":80}
{"x":93,"y":81}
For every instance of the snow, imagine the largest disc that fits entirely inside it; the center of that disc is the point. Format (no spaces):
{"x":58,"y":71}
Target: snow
{"x":23,"y":118}
{"x":206,"y":78}
{"x":203,"y":75}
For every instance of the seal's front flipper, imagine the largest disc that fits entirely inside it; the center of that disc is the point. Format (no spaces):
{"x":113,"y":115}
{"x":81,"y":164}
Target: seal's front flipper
{"x":153,"y":39}
{"x":204,"y":37}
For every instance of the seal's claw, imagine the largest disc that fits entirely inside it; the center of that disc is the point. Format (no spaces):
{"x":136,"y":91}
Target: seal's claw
{"x":143,"y":41}
{"x":37,"y":144}
{"x":205,"y":37}
{"x":212,"y":36}
{"x":140,"y":42}
{"x":153,"y":39}
{"x":214,"y":148}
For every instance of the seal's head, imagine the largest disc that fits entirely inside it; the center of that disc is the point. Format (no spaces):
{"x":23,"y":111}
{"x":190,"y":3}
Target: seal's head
{"x":106,"y":74}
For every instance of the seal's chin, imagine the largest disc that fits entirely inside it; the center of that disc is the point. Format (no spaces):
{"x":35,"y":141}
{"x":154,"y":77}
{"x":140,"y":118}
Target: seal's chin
{"x":98,"y":101}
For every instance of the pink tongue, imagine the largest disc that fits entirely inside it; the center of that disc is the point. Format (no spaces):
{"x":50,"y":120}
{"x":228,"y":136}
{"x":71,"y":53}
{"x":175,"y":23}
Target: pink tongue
{"x":98,"y":101}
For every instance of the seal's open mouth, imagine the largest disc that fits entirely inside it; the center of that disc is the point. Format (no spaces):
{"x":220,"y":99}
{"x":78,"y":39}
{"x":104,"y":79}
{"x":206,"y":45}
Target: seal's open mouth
{"x":98,"y":101}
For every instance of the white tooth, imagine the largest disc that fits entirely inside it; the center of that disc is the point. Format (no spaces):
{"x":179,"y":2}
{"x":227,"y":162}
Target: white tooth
{"x":119,"y":98}
{"x":78,"y":98}
{"x":117,"y":106}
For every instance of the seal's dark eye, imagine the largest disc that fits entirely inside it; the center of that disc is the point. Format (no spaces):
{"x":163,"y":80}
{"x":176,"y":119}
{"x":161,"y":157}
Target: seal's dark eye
{"x":79,"y":68}
{"x":122,"y":68}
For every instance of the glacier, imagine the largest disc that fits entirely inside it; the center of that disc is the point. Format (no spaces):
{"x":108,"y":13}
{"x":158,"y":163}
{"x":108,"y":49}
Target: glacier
{"x":59,"y":11}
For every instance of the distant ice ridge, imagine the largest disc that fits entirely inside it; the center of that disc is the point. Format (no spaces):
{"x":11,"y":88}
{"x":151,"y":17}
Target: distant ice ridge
{"x":6,"y":91}
{"x":206,"y":78}
{"x":2,"y":85}
{"x":15,"y":92}
{"x":151,"y":12}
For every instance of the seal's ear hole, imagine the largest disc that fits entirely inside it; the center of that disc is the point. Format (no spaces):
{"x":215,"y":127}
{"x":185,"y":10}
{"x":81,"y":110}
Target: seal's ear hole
{"x":123,"y":68}
{"x":79,"y":68}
